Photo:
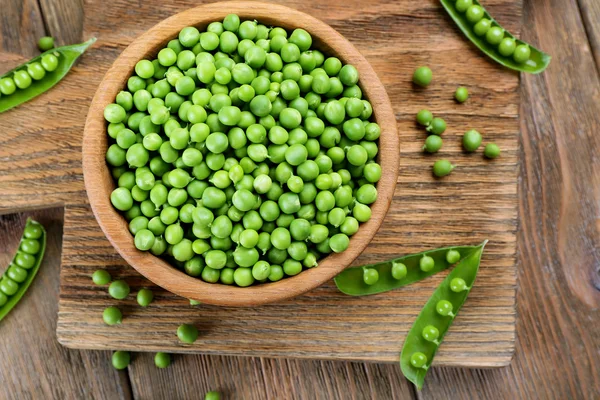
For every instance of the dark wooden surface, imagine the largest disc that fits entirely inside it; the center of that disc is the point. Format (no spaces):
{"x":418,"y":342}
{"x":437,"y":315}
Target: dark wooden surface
{"x":558,"y":328}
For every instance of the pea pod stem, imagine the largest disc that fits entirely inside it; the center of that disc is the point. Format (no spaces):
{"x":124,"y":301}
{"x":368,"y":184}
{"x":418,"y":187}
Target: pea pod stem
{"x":350,"y":281}
{"x":67,"y":55}
{"x":415,"y":343}
{"x":538,"y":60}
{"x":31,"y":272}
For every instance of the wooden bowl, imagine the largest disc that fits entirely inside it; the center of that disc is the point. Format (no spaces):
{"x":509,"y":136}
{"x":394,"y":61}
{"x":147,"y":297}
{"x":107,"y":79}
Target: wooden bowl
{"x":99,"y":183}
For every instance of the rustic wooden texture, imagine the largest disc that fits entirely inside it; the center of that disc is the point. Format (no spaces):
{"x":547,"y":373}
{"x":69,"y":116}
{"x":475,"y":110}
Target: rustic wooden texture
{"x":590,"y":13}
{"x":558,"y":300}
{"x":34,"y":364}
{"x":260,"y":378}
{"x":99,"y":183}
{"x":553,"y":324}
{"x":478,"y":201}
{"x":21,"y":25}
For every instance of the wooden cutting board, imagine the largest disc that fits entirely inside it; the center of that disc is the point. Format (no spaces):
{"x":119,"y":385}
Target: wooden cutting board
{"x":41,"y":154}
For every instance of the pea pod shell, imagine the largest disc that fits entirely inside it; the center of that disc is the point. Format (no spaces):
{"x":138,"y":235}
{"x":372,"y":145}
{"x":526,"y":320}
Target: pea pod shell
{"x":538,"y":60}
{"x":350,"y":281}
{"x":67,"y":55}
{"x":466,"y":269}
{"x":14,"y":299}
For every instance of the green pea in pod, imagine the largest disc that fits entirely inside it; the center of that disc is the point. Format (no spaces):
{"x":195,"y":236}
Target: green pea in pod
{"x":436,"y":317}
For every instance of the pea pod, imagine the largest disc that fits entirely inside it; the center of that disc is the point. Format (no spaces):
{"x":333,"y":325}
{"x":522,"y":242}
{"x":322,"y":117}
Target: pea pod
{"x":534,"y":64}
{"x":20,"y":273}
{"x":352,"y":280}
{"x":52,"y":66}
{"x":427,"y":332}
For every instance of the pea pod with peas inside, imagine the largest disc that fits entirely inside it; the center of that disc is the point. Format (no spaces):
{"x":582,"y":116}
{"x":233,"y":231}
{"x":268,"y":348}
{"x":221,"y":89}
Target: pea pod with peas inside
{"x":436,"y":317}
{"x":388,"y":275}
{"x":20,"y":273}
{"x":497,"y":43}
{"x":38,"y":75}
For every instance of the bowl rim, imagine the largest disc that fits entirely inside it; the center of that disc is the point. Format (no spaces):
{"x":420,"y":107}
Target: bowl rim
{"x":99,"y":182}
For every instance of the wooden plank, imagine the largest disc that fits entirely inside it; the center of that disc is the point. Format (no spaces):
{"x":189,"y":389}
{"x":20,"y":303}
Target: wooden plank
{"x":478,"y":201}
{"x":557,"y":351}
{"x":590,"y":13}
{"x":262,"y":378}
{"x":64,"y":19}
{"x":21,"y":25}
{"x":39,"y":366}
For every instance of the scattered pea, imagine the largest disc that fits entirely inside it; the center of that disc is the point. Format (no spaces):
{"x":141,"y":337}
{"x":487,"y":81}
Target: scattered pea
{"x":491,"y":150}
{"x":422,"y":76}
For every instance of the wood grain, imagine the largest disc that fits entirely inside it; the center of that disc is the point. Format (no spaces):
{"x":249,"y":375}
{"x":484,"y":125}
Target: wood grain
{"x":100,"y":184}
{"x":590,"y":13}
{"x":22,"y":37}
{"x":558,"y":330}
{"x":34,"y":365}
{"x":545,"y":338}
{"x":261,"y":378}
{"x":476,"y":202}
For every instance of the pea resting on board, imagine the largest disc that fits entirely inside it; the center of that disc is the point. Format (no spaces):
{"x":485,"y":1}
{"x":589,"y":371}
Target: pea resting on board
{"x":436,"y":317}
{"x":38,"y":75}
{"x":399,"y":272}
{"x":20,"y":273}
{"x":497,"y":43}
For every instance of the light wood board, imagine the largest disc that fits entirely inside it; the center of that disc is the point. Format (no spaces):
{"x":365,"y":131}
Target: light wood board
{"x":476,"y":202}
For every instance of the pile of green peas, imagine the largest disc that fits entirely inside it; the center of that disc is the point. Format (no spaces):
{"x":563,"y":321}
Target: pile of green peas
{"x":242,"y":154}
{"x":494,"y":34}
{"x":22,"y":78}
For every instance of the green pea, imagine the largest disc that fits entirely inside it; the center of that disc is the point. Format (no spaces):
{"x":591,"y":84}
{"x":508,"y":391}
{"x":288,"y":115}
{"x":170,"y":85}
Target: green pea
{"x":243,"y":277}
{"x":482,"y":27}
{"x":426,"y":263}
{"x":121,"y":359}
{"x":399,"y":270}
{"x":494,"y":35}
{"x":474,"y":13}
{"x":370,"y":276}
{"x":507,"y":47}
{"x":491,"y":150}
{"x":162,"y":360}
{"x":452,"y":256}
{"x":187,"y":333}
{"x":339,"y":242}
{"x":292,"y":267}
{"x":442,"y":168}
{"x":471,"y":140}
{"x":422,"y":76}
{"x":101,"y":277}
{"x":444,"y":308}
{"x":522,"y":53}
{"x":463,"y":5}
{"x":458,"y":285}
{"x":112,"y":316}
{"x":433,"y":144}
{"x":418,"y":360}
{"x":462,"y":94}
{"x":118,"y":289}
{"x":145,"y":297}
{"x":437,"y":126}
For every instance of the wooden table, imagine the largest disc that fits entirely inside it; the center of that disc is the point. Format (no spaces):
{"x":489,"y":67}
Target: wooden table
{"x":558,"y":330}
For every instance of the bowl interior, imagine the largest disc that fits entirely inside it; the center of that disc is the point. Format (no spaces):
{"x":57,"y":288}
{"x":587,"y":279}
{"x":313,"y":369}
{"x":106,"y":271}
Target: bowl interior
{"x":99,"y":183}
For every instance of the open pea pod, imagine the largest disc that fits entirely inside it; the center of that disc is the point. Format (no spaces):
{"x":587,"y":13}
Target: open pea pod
{"x":66,"y":56}
{"x":537,"y":61}
{"x":436,"y":317}
{"x":351,"y":281}
{"x":20,"y":273}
